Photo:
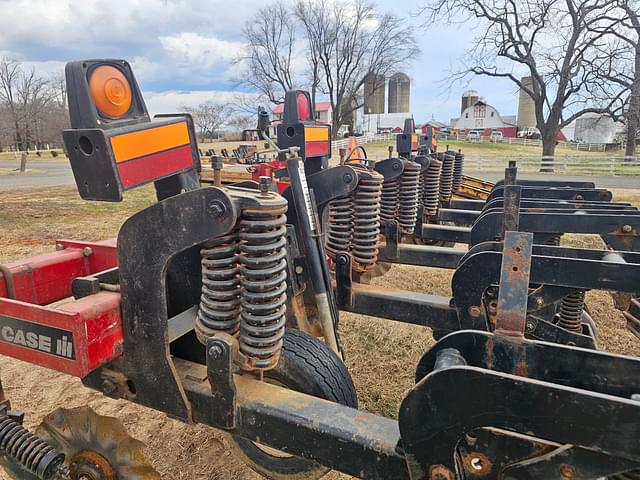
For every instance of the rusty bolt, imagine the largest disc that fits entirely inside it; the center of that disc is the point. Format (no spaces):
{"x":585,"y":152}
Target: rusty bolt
{"x":347,"y":177}
{"x":475,"y":311}
{"x":627,"y":228}
{"x":87,"y":252}
{"x":265,"y":184}
{"x":477,"y":464}
{"x":217,"y":208}
{"x":567,"y":472}
{"x":215,"y":351}
{"x":216,"y":163}
{"x":540,"y":301}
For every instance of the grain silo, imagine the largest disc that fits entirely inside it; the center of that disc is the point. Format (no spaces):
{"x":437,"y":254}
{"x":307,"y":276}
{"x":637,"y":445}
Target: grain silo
{"x":374,"y":94}
{"x":469,"y":98}
{"x":526,"y":107}
{"x":399,"y":93}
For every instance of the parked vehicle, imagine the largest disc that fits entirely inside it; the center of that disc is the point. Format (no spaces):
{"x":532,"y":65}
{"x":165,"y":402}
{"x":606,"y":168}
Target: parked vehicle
{"x":473,"y":136}
{"x":530,"y":133}
{"x":496,"y":136}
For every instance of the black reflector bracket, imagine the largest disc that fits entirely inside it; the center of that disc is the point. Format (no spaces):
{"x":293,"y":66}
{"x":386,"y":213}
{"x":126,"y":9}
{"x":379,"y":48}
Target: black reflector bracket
{"x":407,"y":142}
{"x":300,"y":129}
{"x":113,"y":145}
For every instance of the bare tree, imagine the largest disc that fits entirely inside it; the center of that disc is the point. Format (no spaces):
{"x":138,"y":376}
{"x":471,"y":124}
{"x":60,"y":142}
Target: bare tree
{"x":352,"y":41}
{"x":313,"y":17}
{"x":270,"y":37}
{"x":343,"y":43}
{"x":33,"y":115}
{"x":242,"y":122}
{"x":632,"y":23}
{"x":243,"y":103}
{"x":618,"y":64}
{"x":548,"y":40}
{"x":10,"y":73}
{"x":208,"y":117}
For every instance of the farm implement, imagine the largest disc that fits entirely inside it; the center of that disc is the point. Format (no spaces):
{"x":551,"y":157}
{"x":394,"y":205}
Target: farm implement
{"x":220,"y":306}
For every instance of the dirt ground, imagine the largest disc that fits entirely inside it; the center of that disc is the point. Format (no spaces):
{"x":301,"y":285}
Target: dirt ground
{"x":381,"y":355}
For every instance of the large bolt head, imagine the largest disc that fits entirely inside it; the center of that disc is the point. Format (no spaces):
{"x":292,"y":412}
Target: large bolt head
{"x":215,"y":351}
{"x":217,"y":208}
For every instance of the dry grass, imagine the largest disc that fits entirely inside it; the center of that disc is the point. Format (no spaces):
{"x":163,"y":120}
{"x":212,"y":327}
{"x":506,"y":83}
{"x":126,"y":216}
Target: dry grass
{"x":44,"y":155}
{"x":496,"y":151}
{"x":380,"y":354}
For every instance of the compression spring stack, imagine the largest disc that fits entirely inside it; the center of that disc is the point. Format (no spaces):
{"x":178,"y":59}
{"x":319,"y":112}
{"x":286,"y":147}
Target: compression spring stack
{"x":366,"y":218}
{"x":446,"y":177}
{"x":409,"y":193}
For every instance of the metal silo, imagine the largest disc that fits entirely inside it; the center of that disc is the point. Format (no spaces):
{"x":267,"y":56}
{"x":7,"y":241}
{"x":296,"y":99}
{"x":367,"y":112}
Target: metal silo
{"x":399,"y":93}
{"x":526,"y":107}
{"x":374,"y":94}
{"x":469,"y":98}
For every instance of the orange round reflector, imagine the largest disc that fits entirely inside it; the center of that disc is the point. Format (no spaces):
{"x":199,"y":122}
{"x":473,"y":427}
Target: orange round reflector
{"x":110,"y":91}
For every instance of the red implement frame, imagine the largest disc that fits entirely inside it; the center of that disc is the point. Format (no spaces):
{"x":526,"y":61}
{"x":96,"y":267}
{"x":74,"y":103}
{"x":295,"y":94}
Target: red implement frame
{"x":73,"y":337}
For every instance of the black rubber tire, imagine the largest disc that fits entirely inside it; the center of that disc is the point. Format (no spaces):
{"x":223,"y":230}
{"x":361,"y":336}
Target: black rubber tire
{"x":309,"y":366}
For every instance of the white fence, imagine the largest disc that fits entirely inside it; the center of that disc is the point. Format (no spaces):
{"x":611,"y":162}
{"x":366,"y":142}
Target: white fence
{"x":363,"y":139}
{"x":560,"y":165}
{"x":382,"y":137}
{"x":529,"y":142}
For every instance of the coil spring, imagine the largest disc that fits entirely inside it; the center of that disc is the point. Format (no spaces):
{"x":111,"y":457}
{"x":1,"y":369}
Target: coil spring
{"x":220,"y":299}
{"x":431,"y":187}
{"x":340,"y":229}
{"x":570,"y":312}
{"x":30,"y":451}
{"x":263,"y":280}
{"x":366,"y":219}
{"x":458,"y":170}
{"x":553,"y":241}
{"x":409,"y":191}
{"x":389,"y":200}
{"x":446,"y":177}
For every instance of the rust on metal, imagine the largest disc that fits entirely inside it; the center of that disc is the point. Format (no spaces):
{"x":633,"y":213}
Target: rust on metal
{"x":97,"y":446}
{"x":514,"y":284}
{"x":522,"y":369}
{"x":440,"y":472}
{"x":567,"y":472}
{"x":477,"y":464}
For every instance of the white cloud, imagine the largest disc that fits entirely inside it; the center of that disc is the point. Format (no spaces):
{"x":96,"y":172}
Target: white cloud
{"x":189,"y":44}
{"x":190,"y":48}
{"x":171,"y":101}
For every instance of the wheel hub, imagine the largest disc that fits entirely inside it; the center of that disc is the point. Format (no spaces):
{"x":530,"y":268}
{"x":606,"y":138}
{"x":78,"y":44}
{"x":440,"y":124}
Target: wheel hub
{"x":89,"y":465}
{"x":96,"y":447}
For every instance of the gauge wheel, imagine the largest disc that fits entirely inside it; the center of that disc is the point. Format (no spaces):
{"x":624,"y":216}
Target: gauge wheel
{"x":306,"y":365}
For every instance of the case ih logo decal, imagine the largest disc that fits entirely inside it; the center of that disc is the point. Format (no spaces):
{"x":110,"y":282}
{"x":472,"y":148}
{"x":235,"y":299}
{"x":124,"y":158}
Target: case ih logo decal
{"x":37,"y":337}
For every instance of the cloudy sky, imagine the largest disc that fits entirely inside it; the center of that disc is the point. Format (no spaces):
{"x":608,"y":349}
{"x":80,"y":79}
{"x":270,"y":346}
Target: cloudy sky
{"x":182,"y":50}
